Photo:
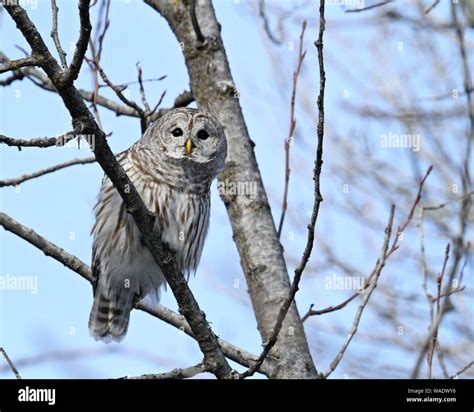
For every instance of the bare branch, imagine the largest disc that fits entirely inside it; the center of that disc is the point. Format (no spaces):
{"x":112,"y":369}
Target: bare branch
{"x":10,"y":363}
{"x":290,"y":138}
{"x":266,"y":23}
{"x":26,"y":177}
{"x":81,"y":45}
{"x":423,"y":264}
{"x":441,"y":205}
{"x":372,"y":6}
{"x":409,"y":218}
{"x":178,"y":373}
{"x":97,"y":44}
{"x":40,"y":141}
{"x":18,"y":64}
{"x":434,"y":340}
{"x":467,"y":78}
{"x":55,"y":36}
{"x":442,"y":361}
{"x":142,"y":89}
{"x":435,"y":3}
{"x":158,"y":104}
{"x":329,"y":309}
{"x":461,"y":371}
{"x":17,"y":75}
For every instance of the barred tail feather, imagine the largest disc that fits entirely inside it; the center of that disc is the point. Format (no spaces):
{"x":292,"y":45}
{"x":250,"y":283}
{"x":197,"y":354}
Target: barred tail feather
{"x":110,"y":314}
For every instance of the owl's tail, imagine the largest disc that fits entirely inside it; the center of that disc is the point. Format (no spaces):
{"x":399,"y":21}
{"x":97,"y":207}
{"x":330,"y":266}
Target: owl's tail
{"x":110,"y":314}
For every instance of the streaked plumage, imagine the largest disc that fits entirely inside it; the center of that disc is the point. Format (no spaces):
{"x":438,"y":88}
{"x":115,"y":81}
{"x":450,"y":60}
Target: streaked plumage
{"x":172,"y":167}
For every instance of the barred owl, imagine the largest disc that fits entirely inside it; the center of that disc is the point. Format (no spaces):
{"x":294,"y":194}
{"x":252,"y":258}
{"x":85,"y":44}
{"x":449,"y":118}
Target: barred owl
{"x":172,"y":166}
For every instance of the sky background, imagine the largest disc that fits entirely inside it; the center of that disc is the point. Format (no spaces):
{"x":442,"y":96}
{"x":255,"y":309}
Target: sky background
{"x":53,"y":322}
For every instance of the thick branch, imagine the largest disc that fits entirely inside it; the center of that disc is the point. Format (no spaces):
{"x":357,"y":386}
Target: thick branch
{"x":18,"y":64}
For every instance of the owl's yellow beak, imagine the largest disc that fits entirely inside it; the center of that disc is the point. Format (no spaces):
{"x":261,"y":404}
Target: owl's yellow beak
{"x":189,"y":146}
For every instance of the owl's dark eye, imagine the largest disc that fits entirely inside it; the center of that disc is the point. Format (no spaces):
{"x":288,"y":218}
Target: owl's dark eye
{"x":177,"y":132}
{"x":202,"y":134}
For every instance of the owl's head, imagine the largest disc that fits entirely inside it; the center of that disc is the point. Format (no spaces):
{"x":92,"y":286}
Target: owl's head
{"x":190,"y":139}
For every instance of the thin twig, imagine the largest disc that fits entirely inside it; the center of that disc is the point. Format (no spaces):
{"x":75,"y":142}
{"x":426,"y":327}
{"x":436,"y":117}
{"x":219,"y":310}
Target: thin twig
{"x":10,"y":363}
{"x":26,"y":177}
{"x":434,"y":338}
{"x":105,"y":21}
{"x":466,"y":256}
{"x":461,"y":371}
{"x":317,"y":202}
{"x":118,"y":91}
{"x":330,"y":309}
{"x":96,"y":47}
{"x":372,"y":6}
{"x":442,"y":360}
{"x":467,"y":80}
{"x":289,"y":140}
{"x":158,"y":104}
{"x":402,"y":228}
{"x":423,"y":265}
{"x":55,"y":36}
{"x":266,"y":23}
{"x":441,"y":205}
{"x":435,"y":3}
{"x":142,"y":89}
{"x":131,"y":83}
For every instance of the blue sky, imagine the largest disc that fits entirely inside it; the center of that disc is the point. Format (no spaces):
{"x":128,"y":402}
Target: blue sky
{"x":59,"y":206}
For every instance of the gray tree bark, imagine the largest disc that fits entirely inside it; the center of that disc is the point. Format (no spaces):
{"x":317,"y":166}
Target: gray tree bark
{"x":253,"y":228}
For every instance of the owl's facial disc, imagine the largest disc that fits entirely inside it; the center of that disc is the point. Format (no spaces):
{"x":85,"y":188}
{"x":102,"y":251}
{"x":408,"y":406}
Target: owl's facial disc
{"x":191,"y":139}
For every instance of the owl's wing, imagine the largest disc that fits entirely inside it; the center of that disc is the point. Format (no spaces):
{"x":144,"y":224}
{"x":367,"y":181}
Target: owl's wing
{"x":95,"y":266}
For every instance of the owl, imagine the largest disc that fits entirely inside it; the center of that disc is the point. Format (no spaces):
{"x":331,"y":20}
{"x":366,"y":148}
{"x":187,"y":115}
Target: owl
{"x":172,"y":166}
